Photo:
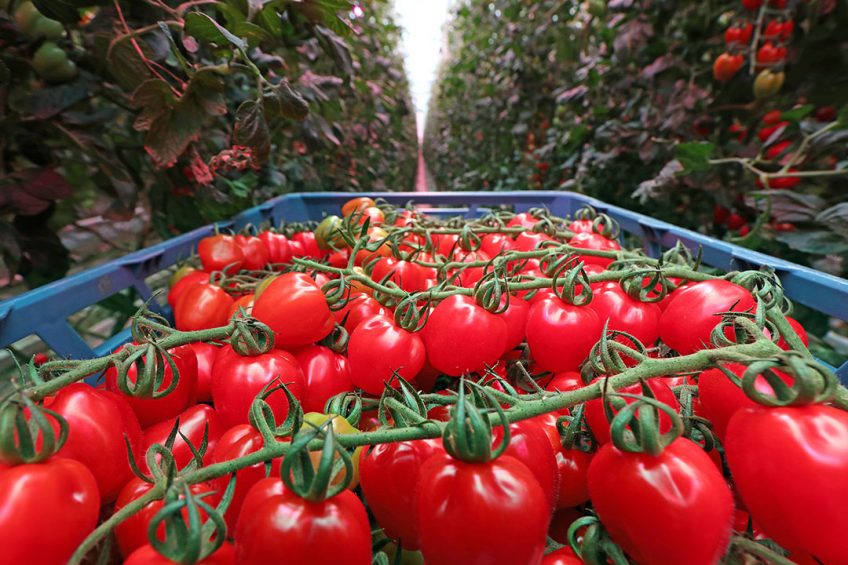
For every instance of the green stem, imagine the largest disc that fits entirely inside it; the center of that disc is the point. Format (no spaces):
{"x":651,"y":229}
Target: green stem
{"x":758,"y":550}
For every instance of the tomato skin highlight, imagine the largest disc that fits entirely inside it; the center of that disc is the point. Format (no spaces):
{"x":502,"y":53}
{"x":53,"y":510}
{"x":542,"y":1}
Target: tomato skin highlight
{"x":326,"y":374}
{"x":529,"y":444}
{"x":294,"y":307}
{"x":59,"y":497}
{"x":206,"y":354}
{"x":377,"y":349}
{"x":220,"y":253}
{"x":786,"y":458}
{"x":201,"y":307}
{"x":669,"y":509}
{"x":146,"y":555}
{"x":492,"y":513}
{"x":194,"y":421}
{"x":626,"y":314}
{"x":596,"y":417}
{"x":551,"y":324}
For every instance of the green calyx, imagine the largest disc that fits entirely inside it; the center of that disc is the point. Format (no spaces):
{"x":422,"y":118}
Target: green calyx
{"x":636,"y":426}
{"x":27,"y":434}
{"x":594,"y":545}
{"x":316,"y":482}
{"x":251,"y":337}
{"x":811,"y":382}
{"x":468,"y":434}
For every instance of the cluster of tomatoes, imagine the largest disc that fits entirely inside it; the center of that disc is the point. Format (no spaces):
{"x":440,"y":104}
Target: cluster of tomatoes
{"x":451,"y":500}
{"x":771,"y":40}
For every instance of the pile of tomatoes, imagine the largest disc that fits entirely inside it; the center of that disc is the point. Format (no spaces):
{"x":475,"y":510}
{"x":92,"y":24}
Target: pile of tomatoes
{"x":513,"y":390}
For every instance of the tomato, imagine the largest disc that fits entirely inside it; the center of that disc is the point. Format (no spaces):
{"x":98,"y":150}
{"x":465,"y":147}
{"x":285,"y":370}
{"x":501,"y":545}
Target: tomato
{"x":445,"y":243}
{"x":739,"y":35}
{"x":220,"y":253}
{"x":626,"y":314}
{"x":596,"y":417}
{"x":689,"y":319}
{"x":340,"y":427}
{"x":373,"y":214}
{"x":799,"y":329}
{"x":357,"y":205}
{"x":572,"y":467}
{"x":515,"y":318}
{"x":529,"y":444}
{"x":469,"y":276}
{"x":193,"y":423}
{"x":328,"y":233}
{"x":184,"y":283}
{"x":310,"y":244}
{"x":294,"y":307}
{"x":726,"y":66}
{"x":406,"y":275}
{"x":529,"y":241}
{"x":769,"y":53}
{"x":358,"y":308}
{"x":237,"y":380}
{"x":377,"y":349}
{"x":493,"y":244}
{"x":561,"y":521}
{"x":597,"y":242}
{"x":684,"y":506}
{"x":484,"y":335}
{"x":793,"y":457}
{"x":206,"y":354}
{"x":238,"y":441}
{"x":562,"y":556}
{"x":132,"y":532}
{"x":767,"y":132}
{"x":776,"y":150}
{"x":296,"y":248}
{"x":242,"y":307}
{"x":146,"y":555}
{"x":389,"y":473}
{"x":256,"y":255}
{"x":305,"y":532}
{"x":151,"y":411}
{"x":752,"y":5}
{"x":58,"y":497}
{"x":201,"y":307}
{"x":524,"y":220}
{"x":278,"y":247}
{"x":551,"y":323}
{"x":97,"y":423}
{"x":326,"y":374}
{"x":493,"y":512}
{"x":781,"y":181}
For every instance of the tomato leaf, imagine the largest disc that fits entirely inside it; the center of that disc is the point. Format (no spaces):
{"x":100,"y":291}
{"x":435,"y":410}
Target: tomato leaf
{"x":204,"y":28}
{"x":49,"y":101}
{"x":335,"y":46}
{"x":283,"y":100}
{"x":797,"y":114}
{"x":62,"y":10}
{"x":817,"y":242}
{"x":251,"y":129}
{"x":694,"y":156}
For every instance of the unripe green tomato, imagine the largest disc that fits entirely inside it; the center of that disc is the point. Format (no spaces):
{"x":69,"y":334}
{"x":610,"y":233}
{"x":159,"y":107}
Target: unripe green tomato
{"x":47,"y":56}
{"x":63,"y":73}
{"x":598,"y":8}
{"x":25,"y":16}
{"x":327,"y":234}
{"x":47,"y":28}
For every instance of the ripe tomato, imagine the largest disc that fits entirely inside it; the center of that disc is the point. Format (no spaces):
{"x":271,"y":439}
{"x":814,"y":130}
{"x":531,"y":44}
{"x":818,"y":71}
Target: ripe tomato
{"x":469,"y":276}
{"x":493,"y":244}
{"x":685,"y":507}
{"x":752,"y":5}
{"x":358,"y":308}
{"x":326,"y":374}
{"x":639,"y":319}
{"x":237,"y":380}
{"x":528,"y":241}
{"x":151,"y":411}
{"x":551,"y":323}
{"x":493,"y":513}
{"x":515,"y":318}
{"x":562,"y":556}
{"x":184,"y":283}
{"x":726,"y":66}
{"x":278,"y":247}
{"x":58,"y":497}
{"x":781,"y":181}
{"x":597,"y":242}
{"x":483,"y":332}
{"x":793,"y":457}
{"x":596,"y":416}
{"x":739,"y":35}
{"x":406,"y":275}
{"x":799,"y":329}
{"x":357,"y":205}
{"x":237,"y":442}
{"x":256,"y":255}
{"x":294,"y":307}
{"x":524,"y":220}
{"x":389,"y":473}
{"x":573,"y":468}
{"x":132,"y":532}
{"x":377,"y":349}
{"x":193,"y":424}
{"x":305,"y":532}
{"x":693,"y":313}
{"x":201,"y":307}
{"x":206,"y":354}
{"x":97,"y":423}
{"x":529,"y":444}
{"x":769,"y":54}
{"x":220,"y":253}
{"x":146,"y":555}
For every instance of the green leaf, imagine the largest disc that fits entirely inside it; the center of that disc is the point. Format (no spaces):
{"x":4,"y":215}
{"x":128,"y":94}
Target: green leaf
{"x":126,"y":65}
{"x":204,"y":28}
{"x":843,"y":117}
{"x":62,"y":10}
{"x":49,"y":101}
{"x":815,"y":242}
{"x":252,"y":33}
{"x":251,"y":129}
{"x":336,"y":47}
{"x":283,"y":100}
{"x":797,"y":114}
{"x":269,"y":19}
{"x":694,"y":156}
{"x":232,"y":15}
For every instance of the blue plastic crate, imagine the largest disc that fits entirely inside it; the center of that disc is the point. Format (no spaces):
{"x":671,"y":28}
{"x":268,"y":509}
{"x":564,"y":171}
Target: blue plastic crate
{"x":44,"y":311}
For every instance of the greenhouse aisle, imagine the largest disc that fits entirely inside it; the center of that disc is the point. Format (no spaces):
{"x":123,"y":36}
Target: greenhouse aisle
{"x":422,"y":178}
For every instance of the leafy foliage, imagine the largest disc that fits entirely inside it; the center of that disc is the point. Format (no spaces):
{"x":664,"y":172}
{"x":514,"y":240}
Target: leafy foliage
{"x":617,"y":100}
{"x":191,"y":110}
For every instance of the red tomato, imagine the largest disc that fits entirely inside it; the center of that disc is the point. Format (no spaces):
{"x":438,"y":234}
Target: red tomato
{"x":639,"y":319}
{"x":469,"y":276}
{"x":373,"y":214}
{"x":515,"y":318}
{"x":693,"y":313}
{"x":769,"y":53}
{"x":493,"y":244}
{"x":597,"y":419}
{"x":310,"y":244}
{"x":220,"y":253}
{"x":529,"y":241}
{"x":97,"y":423}
{"x":296,"y":248}
{"x":483,"y":333}
{"x":406,"y":275}
{"x":529,"y":444}
{"x":752,"y":5}
{"x":326,"y":374}
{"x":206,"y":354}
{"x":799,"y":329}
{"x":132,"y":532}
{"x":594,"y":241}
{"x":201,"y":307}
{"x":562,"y":556}
{"x":358,"y":308}
{"x":793,"y":457}
{"x":278,"y":247}
{"x":237,"y":380}
{"x":187,"y":281}
{"x":493,"y":513}
{"x":552,"y":323}
{"x":683,"y":504}
{"x":524,"y":220}
{"x":237,"y":442}
{"x":294,"y":307}
{"x":146,"y":555}
{"x":256,"y":255}
{"x":572,"y":467}
{"x":58,"y":497}
{"x":388,"y":474}
{"x":377,"y":349}
{"x":356,"y":205}
{"x":739,"y":35}
{"x":151,"y":411}
{"x":564,"y":381}
{"x":562,"y":519}
{"x":582,"y":226}
{"x":305,"y":532}
{"x":193,"y":423}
